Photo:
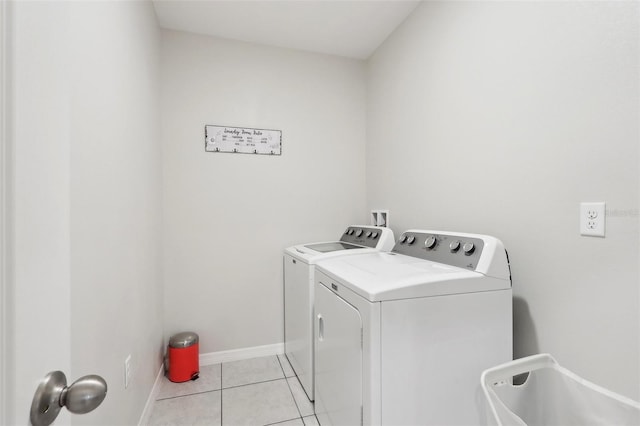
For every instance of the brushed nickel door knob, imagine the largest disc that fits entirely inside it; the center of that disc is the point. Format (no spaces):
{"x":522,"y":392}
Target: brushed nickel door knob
{"x":84,"y":395}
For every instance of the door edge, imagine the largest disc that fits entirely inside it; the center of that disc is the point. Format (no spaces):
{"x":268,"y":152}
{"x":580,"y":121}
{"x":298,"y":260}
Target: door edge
{"x":6,"y":167}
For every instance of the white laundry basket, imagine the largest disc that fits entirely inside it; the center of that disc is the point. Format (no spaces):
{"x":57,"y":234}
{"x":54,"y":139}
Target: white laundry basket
{"x":552,"y":396}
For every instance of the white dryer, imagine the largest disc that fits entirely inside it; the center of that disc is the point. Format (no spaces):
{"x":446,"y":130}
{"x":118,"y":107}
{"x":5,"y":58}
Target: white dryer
{"x":299,"y":268}
{"x":403,"y":337}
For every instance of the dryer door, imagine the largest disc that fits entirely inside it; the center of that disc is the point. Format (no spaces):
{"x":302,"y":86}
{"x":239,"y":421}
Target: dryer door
{"x":338,"y":356}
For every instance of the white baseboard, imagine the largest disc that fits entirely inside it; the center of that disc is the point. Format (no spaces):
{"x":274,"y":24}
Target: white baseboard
{"x":240,"y":354}
{"x":210,"y":359}
{"x":148,"y":407}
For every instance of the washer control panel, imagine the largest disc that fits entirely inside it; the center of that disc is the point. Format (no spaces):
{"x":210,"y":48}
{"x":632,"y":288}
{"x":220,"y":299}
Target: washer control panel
{"x":461,"y":251}
{"x":363,"y":236}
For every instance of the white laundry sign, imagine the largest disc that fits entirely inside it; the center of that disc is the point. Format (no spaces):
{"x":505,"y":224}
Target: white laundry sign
{"x":242,"y":140}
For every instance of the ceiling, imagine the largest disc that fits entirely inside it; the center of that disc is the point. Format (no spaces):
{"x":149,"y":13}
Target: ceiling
{"x":350,"y":28}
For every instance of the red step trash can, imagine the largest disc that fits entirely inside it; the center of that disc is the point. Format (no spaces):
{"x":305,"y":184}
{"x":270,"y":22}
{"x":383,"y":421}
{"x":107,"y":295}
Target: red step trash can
{"x":183,"y":357}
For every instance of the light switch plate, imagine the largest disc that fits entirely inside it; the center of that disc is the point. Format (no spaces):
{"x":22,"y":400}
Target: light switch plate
{"x":593,"y":219}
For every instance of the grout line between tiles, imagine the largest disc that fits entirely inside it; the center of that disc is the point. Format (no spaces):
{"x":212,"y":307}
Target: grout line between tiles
{"x":255,"y":383}
{"x":284,"y":376}
{"x":189,"y":394}
{"x":291,"y":390}
{"x":281,"y":367}
{"x":284,"y":421}
{"x":294,"y":398}
{"x":221,"y":398}
{"x":312,"y":415}
{"x":286,"y":379}
{"x":292,"y":395}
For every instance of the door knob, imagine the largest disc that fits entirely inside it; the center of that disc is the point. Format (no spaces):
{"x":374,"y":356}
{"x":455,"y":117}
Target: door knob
{"x":84,"y":395}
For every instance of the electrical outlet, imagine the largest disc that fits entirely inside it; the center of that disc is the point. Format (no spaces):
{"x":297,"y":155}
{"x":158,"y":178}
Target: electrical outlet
{"x":127,"y":371}
{"x":592,"y":219}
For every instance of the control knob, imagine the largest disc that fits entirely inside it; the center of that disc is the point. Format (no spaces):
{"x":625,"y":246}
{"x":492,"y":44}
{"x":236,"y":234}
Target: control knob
{"x":468,"y":248}
{"x":403,"y":239}
{"x":411,"y":240}
{"x":430,"y":242}
{"x":369,"y":233}
{"x":359,"y":233}
{"x":375,"y":235}
{"x":454,"y":246}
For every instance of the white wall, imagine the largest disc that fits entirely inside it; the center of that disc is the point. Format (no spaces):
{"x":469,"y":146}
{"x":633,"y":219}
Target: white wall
{"x":86,"y":182}
{"x":500,"y":118}
{"x":228,"y":217}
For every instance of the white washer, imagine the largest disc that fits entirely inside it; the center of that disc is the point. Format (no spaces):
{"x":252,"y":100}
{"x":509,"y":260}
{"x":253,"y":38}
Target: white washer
{"x":403,"y":337}
{"x":299,"y":267}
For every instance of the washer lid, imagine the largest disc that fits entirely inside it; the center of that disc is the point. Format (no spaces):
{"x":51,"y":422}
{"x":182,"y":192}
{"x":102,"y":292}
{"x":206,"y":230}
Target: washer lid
{"x":308,"y":254}
{"x":355,"y":239}
{"x":383,"y":276}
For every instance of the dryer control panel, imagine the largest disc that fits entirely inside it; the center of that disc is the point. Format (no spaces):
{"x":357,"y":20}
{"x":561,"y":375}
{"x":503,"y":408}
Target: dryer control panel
{"x":461,"y":250}
{"x":367,"y":236}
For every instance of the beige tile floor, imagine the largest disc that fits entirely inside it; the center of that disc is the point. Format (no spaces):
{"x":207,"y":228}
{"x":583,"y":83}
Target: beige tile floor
{"x":253,"y":392}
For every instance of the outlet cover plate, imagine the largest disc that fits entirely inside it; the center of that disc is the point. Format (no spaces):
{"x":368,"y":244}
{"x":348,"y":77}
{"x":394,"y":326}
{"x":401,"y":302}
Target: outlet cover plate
{"x":593,"y":219}
{"x":380,"y":218}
